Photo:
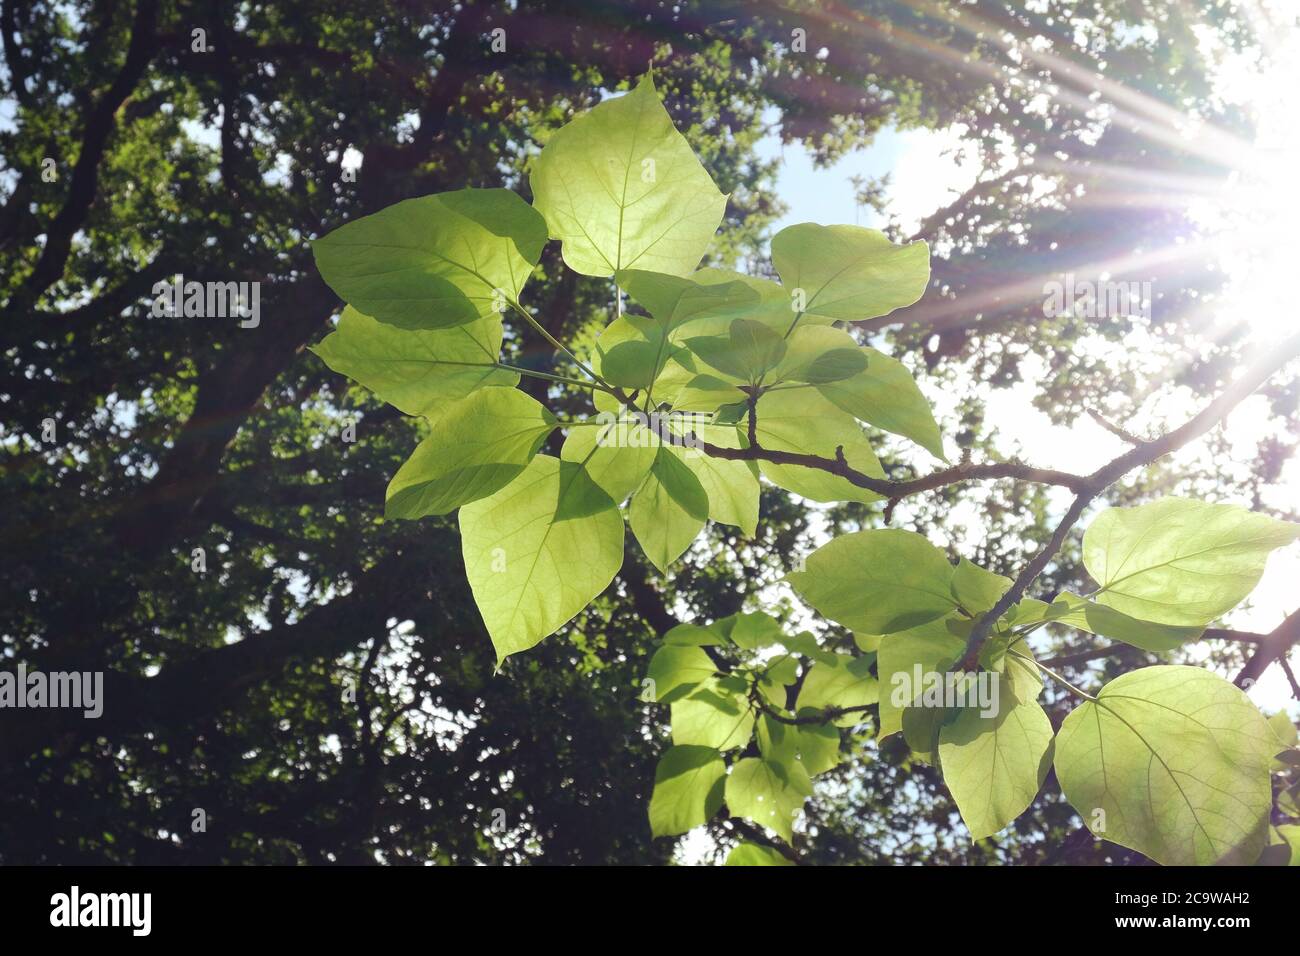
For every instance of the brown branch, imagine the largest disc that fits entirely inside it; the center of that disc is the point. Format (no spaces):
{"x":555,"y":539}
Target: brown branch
{"x":897,"y":489}
{"x":1144,"y":453}
{"x":1273,"y":647}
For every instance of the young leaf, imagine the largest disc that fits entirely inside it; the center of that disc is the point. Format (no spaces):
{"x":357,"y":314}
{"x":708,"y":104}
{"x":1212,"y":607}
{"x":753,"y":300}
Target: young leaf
{"x":538,"y":551}
{"x":848,"y":272}
{"x":417,"y":370}
{"x":1176,"y":760}
{"x":995,"y":765}
{"x":878,"y":582}
{"x":435,"y":261}
{"x":476,"y":446}
{"x":622,"y":189}
{"x":749,"y":351}
{"x":668,"y":510}
{"x":768,"y":793}
{"x":1179,"y":561}
{"x":688,"y":790}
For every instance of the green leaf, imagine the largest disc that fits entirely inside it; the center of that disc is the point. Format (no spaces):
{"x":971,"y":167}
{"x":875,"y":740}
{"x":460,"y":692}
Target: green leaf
{"x":1176,"y":758}
{"x":674,"y":300}
{"x":774,"y":307}
{"x":476,"y":446}
{"x":632,"y":364}
{"x":842,"y":682}
{"x":1179,"y":561}
{"x":848,"y":272}
{"x":800,"y":421}
{"x":706,"y":393}
{"x":622,"y":189}
{"x":749,"y":351}
{"x":538,"y":551}
{"x":815,"y":746}
{"x":754,"y":631}
{"x":692,"y":635}
{"x":688,"y":790}
{"x":435,"y":261}
{"x":753,"y":854}
{"x":1074,"y":611}
{"x":732,"y":487}
{"x":886,"y":395}
{"x":976,"y":589}
{"x":668,"y":510}
{"x":768,"y":793}
{"x":675,"y":669}
{"x":713,"y":715}
{"x":995,"y":765}
{"x":617,"y":453}
{"x":903,"y":661}
{"x":418,"y":371}
{"x":813,"y":353}
{"x":878,"y":582}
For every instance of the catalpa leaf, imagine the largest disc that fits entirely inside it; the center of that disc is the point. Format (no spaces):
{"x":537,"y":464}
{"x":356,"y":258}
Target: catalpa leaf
{"x":435,"y":261}
{"x":668,"y":510}
{"x":477,"y":445}
{"x":688,"y":790}
{"x":878,"y":582}
{"x":713,"y":715}
{"x":1180,"y":561}
{"x":674,"y":301}
{"x":884,"y":394}
{"x":1074,"y":611}
{"x":995,"y":763}
{"x":1170,"y":761}
{"x":622,"y":189}
{"x":748,"y":352}
{"x":538,"y":551}
{"x":768,"y":793}
{"x":419,"y":371}
{"x":676,"y":669}
{"x":754,"y":854}
{"x":849,"y":272}
{"x":840,"y":681}
{"x":617,"y":453}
